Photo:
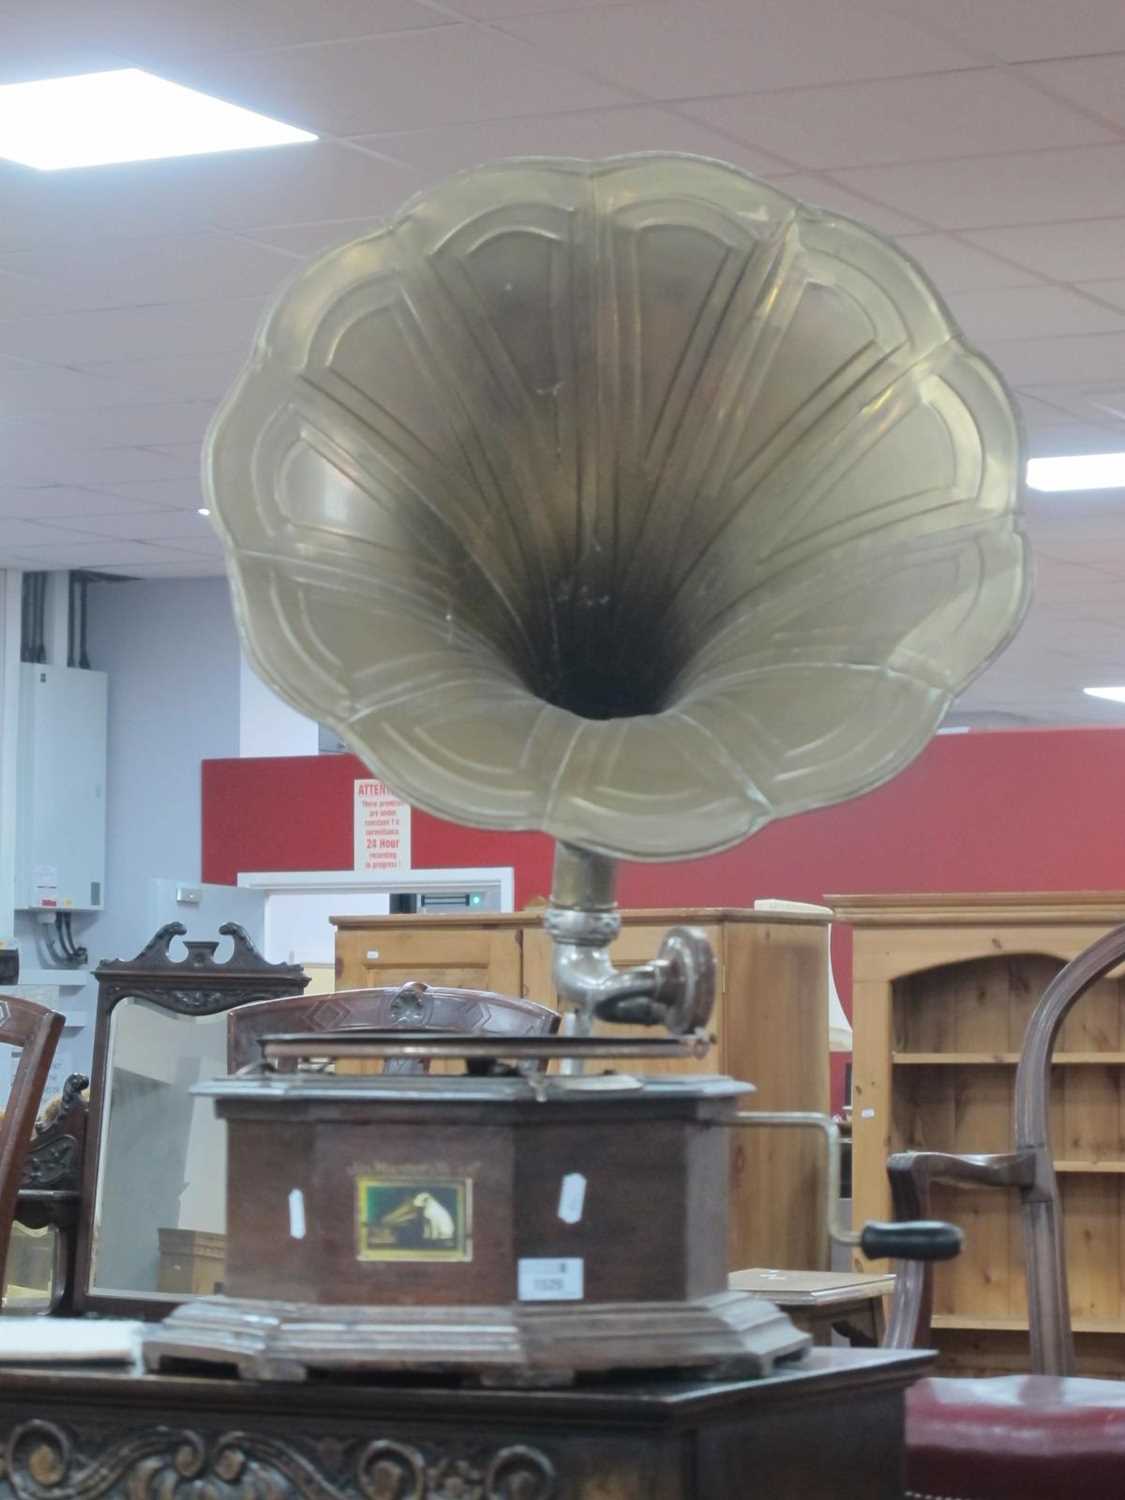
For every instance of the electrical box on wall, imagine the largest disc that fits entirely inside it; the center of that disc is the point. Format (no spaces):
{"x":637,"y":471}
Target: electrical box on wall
{"x":60,"y":780}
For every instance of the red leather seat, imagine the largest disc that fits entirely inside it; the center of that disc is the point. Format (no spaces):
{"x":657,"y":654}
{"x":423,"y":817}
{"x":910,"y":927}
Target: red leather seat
{"x":1016,"y":1437}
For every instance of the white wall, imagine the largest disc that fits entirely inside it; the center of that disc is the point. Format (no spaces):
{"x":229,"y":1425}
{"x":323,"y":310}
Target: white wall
{"x":267,"y":725}
{"x":172,"y":655}
{"x":10,"y":596}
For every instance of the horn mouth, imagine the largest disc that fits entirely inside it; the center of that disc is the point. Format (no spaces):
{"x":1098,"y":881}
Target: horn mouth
{"x":632,"y":501}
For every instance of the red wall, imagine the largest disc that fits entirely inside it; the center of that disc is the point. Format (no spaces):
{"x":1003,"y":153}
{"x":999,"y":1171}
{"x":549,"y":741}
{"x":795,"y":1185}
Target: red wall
{"x":1012,"y":810}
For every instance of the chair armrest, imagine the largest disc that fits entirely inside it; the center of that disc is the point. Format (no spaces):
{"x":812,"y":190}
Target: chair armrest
{"x":911,"y":1173}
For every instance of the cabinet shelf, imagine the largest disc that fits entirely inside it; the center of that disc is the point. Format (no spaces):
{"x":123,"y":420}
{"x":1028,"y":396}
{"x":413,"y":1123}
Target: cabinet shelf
{"x":1002,"y":1059}
{"x":958,"y":1322}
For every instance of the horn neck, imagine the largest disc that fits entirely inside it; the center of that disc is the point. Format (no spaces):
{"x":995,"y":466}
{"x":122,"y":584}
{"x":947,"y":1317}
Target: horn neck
{"x":676,"y":990}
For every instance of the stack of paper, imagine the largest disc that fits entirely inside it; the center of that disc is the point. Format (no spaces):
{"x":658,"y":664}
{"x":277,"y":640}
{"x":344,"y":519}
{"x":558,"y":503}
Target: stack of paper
{"x":25,"y":1341}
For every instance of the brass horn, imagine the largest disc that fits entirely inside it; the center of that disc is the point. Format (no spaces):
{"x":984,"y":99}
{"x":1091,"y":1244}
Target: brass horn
{"x":633,"y":501}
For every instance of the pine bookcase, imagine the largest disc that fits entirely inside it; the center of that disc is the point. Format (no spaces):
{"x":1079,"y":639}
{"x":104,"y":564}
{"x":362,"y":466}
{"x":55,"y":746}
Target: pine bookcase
{"x":943,"y":986}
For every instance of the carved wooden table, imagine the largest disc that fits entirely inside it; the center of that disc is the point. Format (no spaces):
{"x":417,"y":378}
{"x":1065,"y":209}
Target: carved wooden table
{"x":830,"y":1429}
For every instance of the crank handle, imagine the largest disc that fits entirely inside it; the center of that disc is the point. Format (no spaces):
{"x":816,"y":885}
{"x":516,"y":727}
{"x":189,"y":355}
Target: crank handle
{"x":922,"y":1239}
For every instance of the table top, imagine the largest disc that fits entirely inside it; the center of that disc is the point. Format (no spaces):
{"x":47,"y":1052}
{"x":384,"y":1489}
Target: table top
{"x":812,"y":1288}
{"x":52,"y":1389}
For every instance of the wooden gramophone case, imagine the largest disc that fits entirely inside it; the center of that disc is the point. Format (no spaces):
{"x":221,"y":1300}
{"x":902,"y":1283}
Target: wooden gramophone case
{"x":519,"y":1227}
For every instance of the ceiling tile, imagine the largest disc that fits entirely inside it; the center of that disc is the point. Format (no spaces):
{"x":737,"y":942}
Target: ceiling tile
{"x":304,"y":240}
{"x":1049,"y":406}
{"x":498,"y":10}
{"x":586,"y":133}
{"x":138,"y":424}
{"x":1086,"y":358}
{"x":162,"y":29}
{"x":173,"y":330}
{"x":1094,"y":83}
{"x":1077,"y":437}
{"x":1108,"y":291}
{"x":1060,"y":582}
{"x":103,"y":466}
{"x":186,"y":455}
{"x":164,"y":494}
{"x":190,"y":567}
{"x":81,"y":552}
{"x":1082,"y":250}
{"x":1051,"y":514}
{"x":1038,"y":408}
{"x":276,"y":185}
{"x":975,"y":112}
{"x":60,"y":502}
{"x":202,"y":378}
{"x":1017,"y":30}
{"x":310,"y":184}
{"x":401,"y":82}
{"x":19,"y":533}
{"x":954,"y":266}
{"x":826,"y":192}
{"x":115,"y":273}
{"x":673,"y":51}
{"x":1103,"y":404}
{"x":1020,"y":187}
{"x":174,"y":527}
{"x":1031,"y":312}
{"x":1094,"y":406}
{"x":26,"y":387}
{"x":38,"y":42}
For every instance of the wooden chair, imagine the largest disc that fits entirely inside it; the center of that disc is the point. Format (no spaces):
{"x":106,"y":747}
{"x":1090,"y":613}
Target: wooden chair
{"x":1044,"y":1436}
{"x":36,"y":1031}
{"x":411,"y":1007}
{"x":51,"y":1195}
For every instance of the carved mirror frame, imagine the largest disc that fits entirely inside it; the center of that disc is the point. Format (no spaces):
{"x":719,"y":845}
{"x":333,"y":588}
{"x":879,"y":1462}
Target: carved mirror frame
{"x":195,"y":985}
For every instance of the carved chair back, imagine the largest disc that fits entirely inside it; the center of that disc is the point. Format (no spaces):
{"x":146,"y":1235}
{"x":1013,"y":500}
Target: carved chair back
{"x":411,"y":1007}
{"x":51,"y":1194}
{"x":36,"y":1031}
{"x":1029,"y":1168}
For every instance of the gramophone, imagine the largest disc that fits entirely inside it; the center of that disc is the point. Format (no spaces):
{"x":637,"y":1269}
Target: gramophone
{"x":635,"y":502}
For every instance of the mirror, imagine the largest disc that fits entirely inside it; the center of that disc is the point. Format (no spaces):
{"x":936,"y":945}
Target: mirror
{"x":160,"y":1195}
{"x":153,"y":1206}
{"x":31,"y":1271}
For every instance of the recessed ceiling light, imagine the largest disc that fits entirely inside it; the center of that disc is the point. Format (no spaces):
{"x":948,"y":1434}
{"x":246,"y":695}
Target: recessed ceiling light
{"x":204,"y":510}
{"x":1081,"y":471}
{"x":1114,"y":694}
{"x":92,"y":119}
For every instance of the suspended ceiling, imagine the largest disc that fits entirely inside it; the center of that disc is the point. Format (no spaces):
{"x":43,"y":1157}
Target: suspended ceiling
{"x":988,"y":136}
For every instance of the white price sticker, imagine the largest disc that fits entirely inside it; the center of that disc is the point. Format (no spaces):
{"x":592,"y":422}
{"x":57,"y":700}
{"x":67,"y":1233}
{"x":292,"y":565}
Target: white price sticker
{"x":572,"y":1197}
{"x":551,"y":1280}
{"x":296,"y":1214}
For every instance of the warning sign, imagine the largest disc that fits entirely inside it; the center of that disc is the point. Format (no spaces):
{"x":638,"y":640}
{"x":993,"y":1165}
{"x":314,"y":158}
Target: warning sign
{"x":382,"y":828}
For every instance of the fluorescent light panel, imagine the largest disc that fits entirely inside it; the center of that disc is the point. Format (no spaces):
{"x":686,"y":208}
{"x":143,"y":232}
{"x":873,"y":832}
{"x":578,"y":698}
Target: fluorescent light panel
{"x":93,"y":119}
{"x":1081,"y":471}
{"x":1114,"y":694}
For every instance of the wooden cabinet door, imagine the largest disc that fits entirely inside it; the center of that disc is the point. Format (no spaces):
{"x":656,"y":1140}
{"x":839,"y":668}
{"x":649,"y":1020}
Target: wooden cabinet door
{"x":469,"y":956}
{"x":474,"y":956}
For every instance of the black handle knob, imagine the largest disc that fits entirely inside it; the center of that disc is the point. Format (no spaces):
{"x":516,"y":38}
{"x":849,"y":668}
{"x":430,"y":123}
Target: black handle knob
{"x":922,"y":1239}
